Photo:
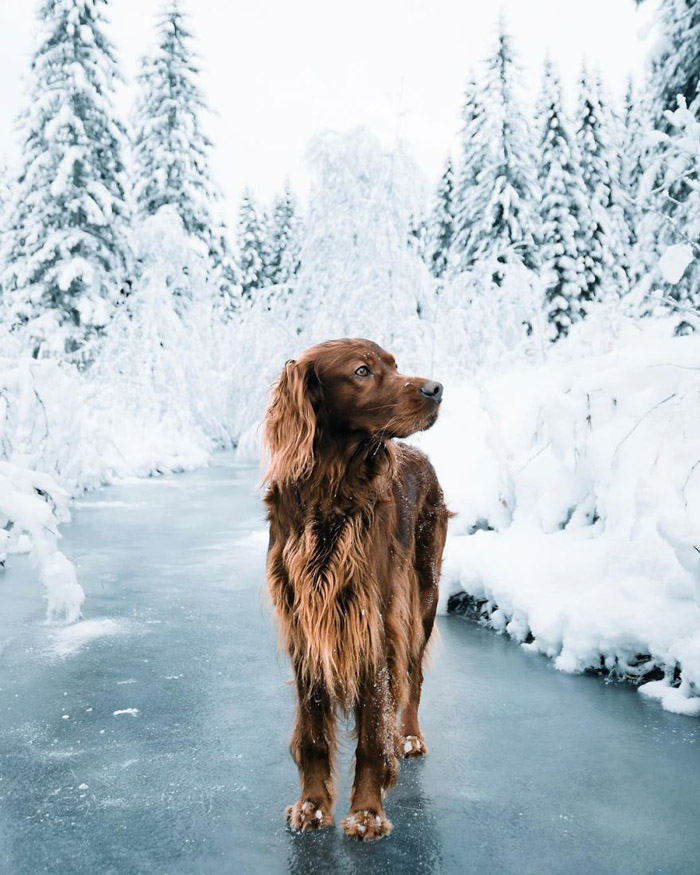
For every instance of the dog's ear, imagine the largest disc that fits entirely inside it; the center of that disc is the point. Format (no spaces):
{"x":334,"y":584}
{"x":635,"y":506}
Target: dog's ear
{"x":291,"y":423}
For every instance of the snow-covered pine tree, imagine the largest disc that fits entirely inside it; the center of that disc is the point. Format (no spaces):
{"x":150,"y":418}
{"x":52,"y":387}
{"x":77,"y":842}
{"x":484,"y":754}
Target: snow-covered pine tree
{"x":66,"y":254}
{"x":563,"y":205}
{"x":631,"y":156}
{"x":672,"y":181}
{"x":675,"y":71}
{"x":672,"y":176}
{"x":469,"y":165}
{"x":285,"y":240}
{"x":441,"y":224}
{"x":171,"y":150}
{"x":4,"y":194}
{"x":604,"y":235}
{"x":4,"y":217}
{"x":505,"y":196}
{"x":4,"y":208}
{"x":253,"y":250}
{"x":641,"y":223}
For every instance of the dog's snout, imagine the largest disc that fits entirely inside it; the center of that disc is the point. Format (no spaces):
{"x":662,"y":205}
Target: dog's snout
{"x":431,"y":389}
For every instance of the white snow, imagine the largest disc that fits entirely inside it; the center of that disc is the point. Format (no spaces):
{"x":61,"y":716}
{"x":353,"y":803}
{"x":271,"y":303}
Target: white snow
{"x":672,"y":698}
{"x":68,"y":640}
{"x":577,"y":488}
{"x":674,"y":262}
{"x":33,"y":504}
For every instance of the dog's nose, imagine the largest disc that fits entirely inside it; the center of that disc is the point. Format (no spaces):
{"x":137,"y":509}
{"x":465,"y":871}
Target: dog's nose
{"x":433,"y":390}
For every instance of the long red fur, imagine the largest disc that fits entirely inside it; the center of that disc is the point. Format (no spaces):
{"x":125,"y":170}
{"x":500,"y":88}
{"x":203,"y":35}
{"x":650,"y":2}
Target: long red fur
{"x":357,"y":529}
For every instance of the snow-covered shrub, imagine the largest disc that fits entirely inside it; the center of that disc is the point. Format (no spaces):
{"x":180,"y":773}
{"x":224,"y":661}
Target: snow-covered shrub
{"x":358,"y":275}
{"x":488,"y":319}
{"x":165,"y":368}
{"x":32,"y":505}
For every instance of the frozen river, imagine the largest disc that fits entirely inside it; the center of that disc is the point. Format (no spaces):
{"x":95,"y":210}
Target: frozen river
{"x":152,"y":738}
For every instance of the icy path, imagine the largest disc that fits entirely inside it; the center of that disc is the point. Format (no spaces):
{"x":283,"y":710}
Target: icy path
{"x":152,"y":738}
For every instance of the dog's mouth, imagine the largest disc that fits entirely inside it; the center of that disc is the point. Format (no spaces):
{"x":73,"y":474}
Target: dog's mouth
{"x":413,"y":426}
{"x":428,"y":421}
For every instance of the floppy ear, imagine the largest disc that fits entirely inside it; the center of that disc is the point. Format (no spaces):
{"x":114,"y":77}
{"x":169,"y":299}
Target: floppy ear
{"x":290,"y":423}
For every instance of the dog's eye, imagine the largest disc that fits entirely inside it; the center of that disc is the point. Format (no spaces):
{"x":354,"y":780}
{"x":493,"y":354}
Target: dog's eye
{"x":363,"y":371}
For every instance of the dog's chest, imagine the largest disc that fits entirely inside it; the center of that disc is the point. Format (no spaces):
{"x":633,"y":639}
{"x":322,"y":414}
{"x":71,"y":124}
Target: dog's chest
{"x":331,"y":550}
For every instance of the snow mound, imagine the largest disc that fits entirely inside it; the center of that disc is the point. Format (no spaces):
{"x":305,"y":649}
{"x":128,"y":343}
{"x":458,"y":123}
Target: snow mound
{"x":577,"y":489}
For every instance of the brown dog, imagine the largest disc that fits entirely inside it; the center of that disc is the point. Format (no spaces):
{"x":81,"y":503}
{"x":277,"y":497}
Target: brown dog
{"x":357,"y":531}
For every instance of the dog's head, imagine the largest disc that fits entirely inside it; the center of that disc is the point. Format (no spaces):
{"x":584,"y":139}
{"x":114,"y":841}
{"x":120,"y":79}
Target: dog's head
{"x":342,"y":389}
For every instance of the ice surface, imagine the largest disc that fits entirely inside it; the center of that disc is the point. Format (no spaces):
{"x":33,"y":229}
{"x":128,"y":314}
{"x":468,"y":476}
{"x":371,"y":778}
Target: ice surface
{"x":518,"y":751}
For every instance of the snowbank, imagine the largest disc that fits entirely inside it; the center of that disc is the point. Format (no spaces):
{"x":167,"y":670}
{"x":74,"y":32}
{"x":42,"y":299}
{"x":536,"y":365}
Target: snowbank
{"x":577,"y":488}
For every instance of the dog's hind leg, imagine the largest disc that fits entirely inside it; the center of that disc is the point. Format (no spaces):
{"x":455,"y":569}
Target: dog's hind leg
{"x":412,"y":741}
{"x":313,"y":747}
{"x":431,"y":532}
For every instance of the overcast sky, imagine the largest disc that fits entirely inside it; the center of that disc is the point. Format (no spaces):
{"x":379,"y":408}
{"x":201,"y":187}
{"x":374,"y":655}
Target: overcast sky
{"x":277,"y":71}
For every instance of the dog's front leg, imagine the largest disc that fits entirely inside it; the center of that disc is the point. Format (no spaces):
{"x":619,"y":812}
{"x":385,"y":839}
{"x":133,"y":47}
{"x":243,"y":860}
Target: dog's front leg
{"x":313,"y":748}
{"x":376,"y":761}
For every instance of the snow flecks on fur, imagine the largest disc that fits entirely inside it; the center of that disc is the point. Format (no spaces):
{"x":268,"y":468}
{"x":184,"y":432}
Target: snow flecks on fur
{"x":366,"y":825}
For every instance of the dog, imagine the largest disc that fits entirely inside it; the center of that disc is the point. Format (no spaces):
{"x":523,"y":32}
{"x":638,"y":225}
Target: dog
{"x":357,"y":531}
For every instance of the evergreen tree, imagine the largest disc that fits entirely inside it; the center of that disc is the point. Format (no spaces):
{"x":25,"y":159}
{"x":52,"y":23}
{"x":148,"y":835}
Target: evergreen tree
{"x":562,"y":207}
{"x":4,"y":208}
{"x":674,"y":172}
{"x":65,"y":252}
{"x":285,"y":242}
{"x":253,"y":252}
{"x":605,"y":240}
{"x":503,"y":204}
{"x":470,"y":164}
{"x":672,"y":178}
{"x":676,"y":70}
{"x":171,"y":151}
{"x":4,"y":194}
{"x":441,"y":225}
{"x":634,"y":158}
{"x":631,"y":156}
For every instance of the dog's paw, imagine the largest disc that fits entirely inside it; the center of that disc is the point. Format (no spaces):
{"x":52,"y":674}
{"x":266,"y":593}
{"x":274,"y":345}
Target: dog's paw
{"x":413,"y":746}
{"x":366,"y":825}
{"x":307,"y":814}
